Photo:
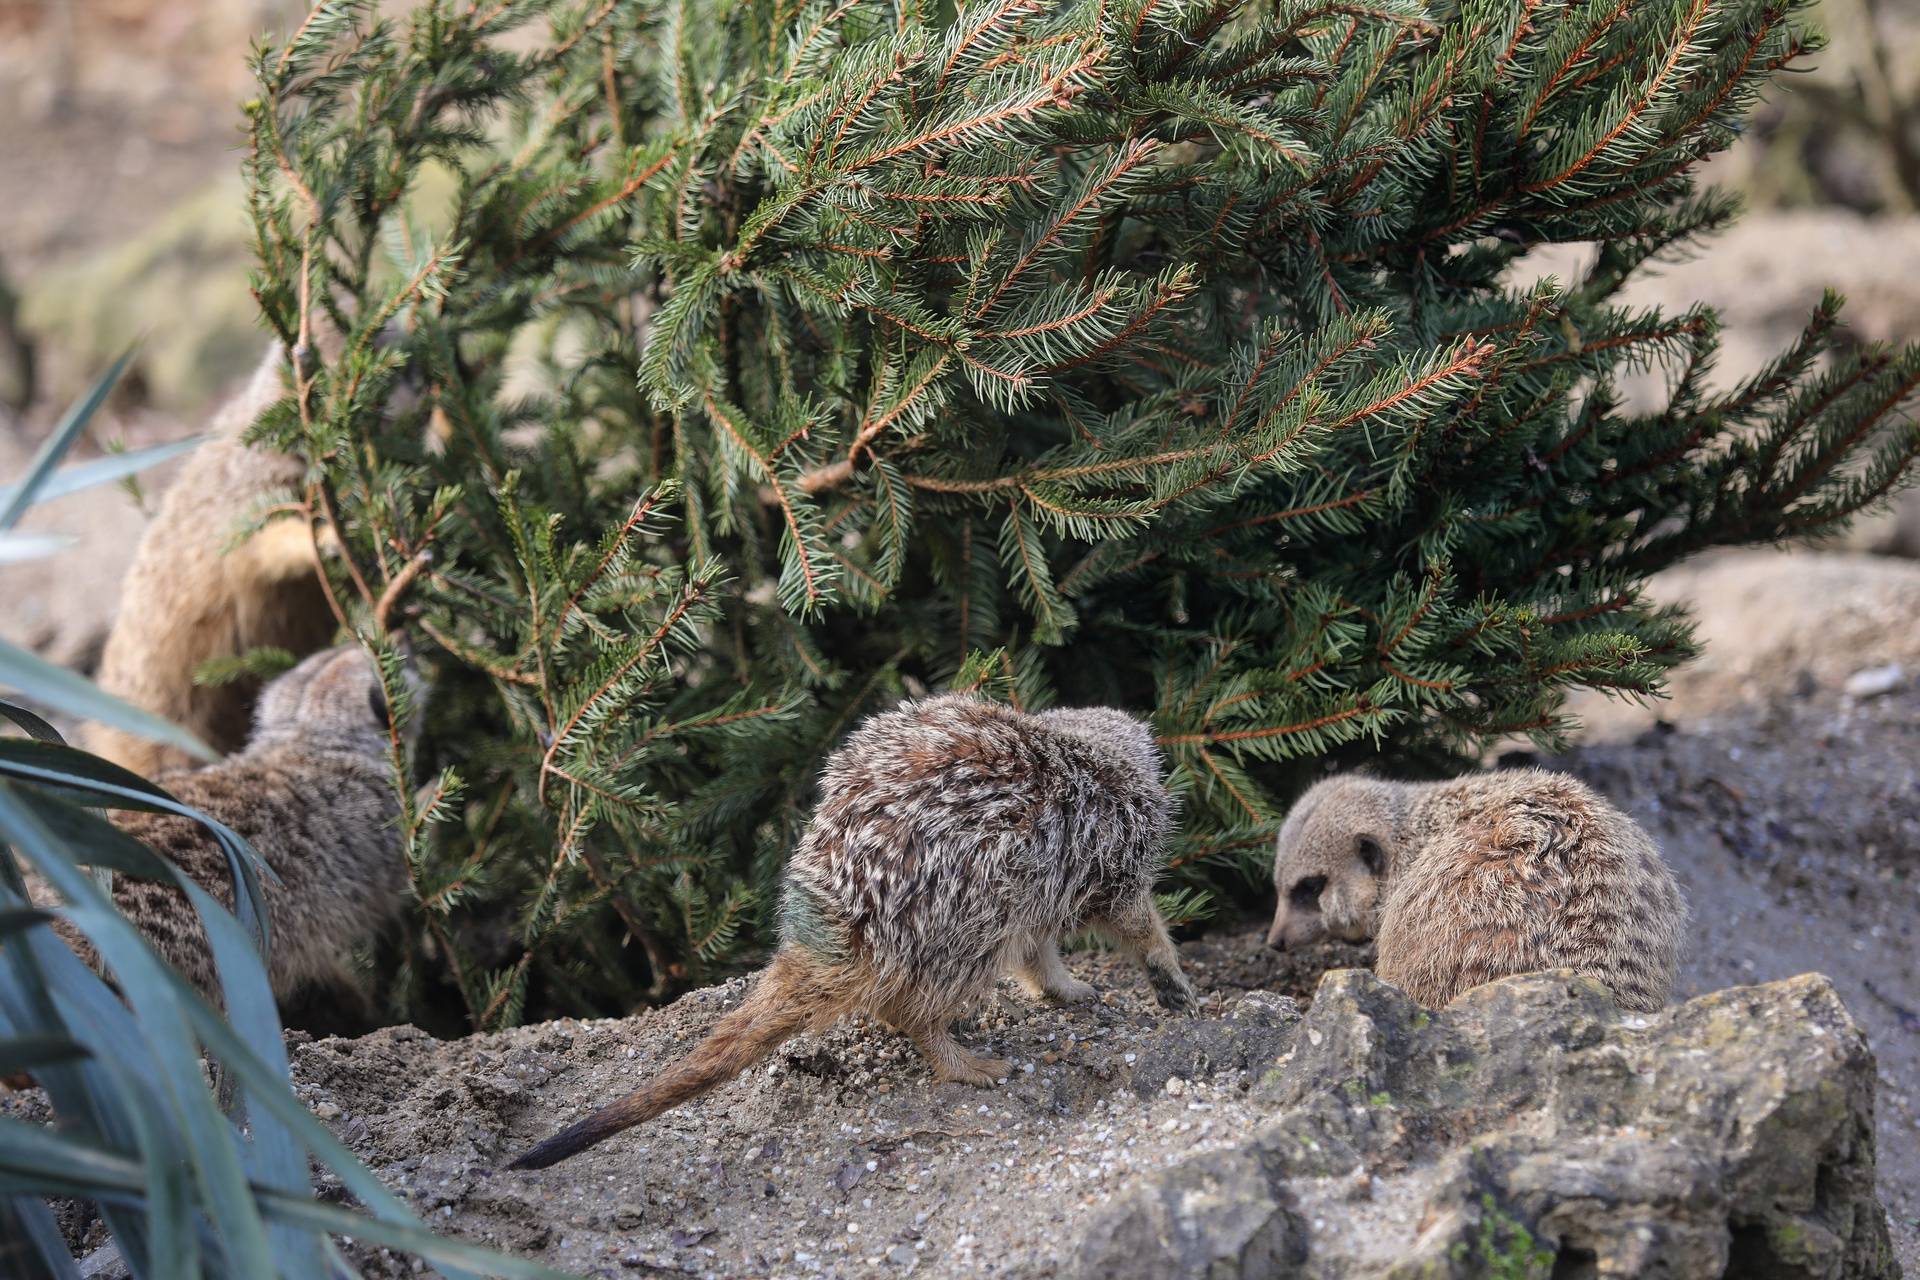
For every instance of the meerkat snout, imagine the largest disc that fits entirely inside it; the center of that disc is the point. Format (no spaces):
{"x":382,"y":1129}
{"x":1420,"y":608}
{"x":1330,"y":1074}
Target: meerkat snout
{"x":1331,"y":859}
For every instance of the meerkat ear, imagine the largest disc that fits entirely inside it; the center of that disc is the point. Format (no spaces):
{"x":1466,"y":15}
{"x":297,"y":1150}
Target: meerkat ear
{"x":1372,"y":854}
{"x":377,"y":700}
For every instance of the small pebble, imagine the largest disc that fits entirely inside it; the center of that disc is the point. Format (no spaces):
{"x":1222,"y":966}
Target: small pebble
{"x":1872,"y":682}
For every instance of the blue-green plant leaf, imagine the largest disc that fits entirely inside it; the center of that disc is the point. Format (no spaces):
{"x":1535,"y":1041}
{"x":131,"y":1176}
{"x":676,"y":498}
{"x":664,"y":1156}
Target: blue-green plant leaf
{"x":30,"y":1243}
{"x":88,"y":780}
{"x":22,"y":495}
{"x":17,"y":547}
{"x":36,"y":727}
{"x":158,"y":999}
{"x":98,"y":471}
{"x":33,"y":1158}
{"x":26,"y":1052}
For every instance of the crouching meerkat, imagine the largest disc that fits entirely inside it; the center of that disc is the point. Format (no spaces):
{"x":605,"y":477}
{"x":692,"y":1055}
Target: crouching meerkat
{"x":1478,"y":878}
{"x":191,"y":594}
{"x":312,"y":791}
{"x":955,"y":840}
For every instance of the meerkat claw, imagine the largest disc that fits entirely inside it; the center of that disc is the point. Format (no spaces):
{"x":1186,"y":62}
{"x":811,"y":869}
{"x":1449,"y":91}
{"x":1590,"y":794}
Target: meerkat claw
{"x":982,"y":1073}
{"x":1173,"y":990}
{"x":1073,"y":991}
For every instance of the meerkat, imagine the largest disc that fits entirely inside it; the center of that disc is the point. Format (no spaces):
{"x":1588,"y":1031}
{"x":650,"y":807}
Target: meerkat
{"x":955,"y":840}
{"x":313,"y":792}
{"x":1479,"y":878}
{"x":191,"y":595}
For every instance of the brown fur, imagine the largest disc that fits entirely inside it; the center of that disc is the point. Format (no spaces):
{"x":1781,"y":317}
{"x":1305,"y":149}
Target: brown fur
{"x":312,"y":791}
{"x":191,"y":595}
{"x":1480,"y":878}
{"x":793,"y":994}
{"x":955,"y":840}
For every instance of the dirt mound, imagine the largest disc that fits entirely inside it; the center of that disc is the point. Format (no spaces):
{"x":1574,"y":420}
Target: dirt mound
{"x":838,"y":1157}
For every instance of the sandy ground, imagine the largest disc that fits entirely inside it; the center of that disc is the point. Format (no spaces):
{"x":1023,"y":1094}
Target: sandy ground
{"x":838,"y":1158}
{"x":1789,"y":808}
{"x":1788,"y":805}
{"x":1794,"y":826}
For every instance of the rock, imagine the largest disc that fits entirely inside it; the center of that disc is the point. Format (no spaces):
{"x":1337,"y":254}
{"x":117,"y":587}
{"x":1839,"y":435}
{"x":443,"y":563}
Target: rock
{"x":1874,"y":681}
{"x":1764,"y":297}
{"x":190,"y":262}
{"x":104,"y":1263}
{"x":1531,"y":1129}
{"x":1764,"y":294}
{"x":1216,"y":1217}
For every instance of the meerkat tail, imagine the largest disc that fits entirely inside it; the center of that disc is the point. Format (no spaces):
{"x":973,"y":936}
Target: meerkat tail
{"x":791,"y":993}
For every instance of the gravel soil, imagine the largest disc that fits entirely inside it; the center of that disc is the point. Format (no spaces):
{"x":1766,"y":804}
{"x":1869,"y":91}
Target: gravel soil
{"x":1789,"y":808}
{"x":1795,"y":830}
{"x":839,"y":1156}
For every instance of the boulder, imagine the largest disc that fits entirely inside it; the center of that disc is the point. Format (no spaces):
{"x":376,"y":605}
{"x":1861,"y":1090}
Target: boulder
{"x":1533,"y":1130}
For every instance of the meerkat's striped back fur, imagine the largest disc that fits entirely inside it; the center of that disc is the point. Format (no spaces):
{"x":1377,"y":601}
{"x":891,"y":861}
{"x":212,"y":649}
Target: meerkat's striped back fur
{"x":955,"y":840}
{"x":1478,"y":878}
{"x":312,"y":791}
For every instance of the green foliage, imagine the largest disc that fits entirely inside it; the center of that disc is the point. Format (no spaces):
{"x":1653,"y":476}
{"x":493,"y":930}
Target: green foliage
{"x":263,"y":663}
{"x":1148,"y":352}
{"x":1504,"y":1249}
{"x":186,"y":1187}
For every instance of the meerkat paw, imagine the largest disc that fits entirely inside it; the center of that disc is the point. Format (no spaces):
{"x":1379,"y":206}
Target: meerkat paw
{"x":1173,"y":990}
{"x":1072,"y":991}
{"x":952,"y":1063}
{"x":970,"y":1068}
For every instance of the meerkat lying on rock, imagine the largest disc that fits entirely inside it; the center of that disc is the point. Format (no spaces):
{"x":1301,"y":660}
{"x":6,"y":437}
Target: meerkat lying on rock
{"x":1479,"y":878}
{"x":312,"y":791}
{"x":955,"y":840}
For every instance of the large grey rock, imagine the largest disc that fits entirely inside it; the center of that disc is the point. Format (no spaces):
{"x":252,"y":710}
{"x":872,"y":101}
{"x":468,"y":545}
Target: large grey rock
{"x":1533,"y":1130}
{"x":1216,"y":1216}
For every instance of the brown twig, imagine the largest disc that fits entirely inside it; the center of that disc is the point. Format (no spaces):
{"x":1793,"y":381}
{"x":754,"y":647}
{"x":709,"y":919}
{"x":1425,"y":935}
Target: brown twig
{"x":397,"y":588}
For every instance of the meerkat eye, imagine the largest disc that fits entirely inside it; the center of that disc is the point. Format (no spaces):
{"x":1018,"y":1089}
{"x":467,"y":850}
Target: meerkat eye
{"x":1306,"y":893}
{"x":377,"y":700}
{"x":1372,"y":854}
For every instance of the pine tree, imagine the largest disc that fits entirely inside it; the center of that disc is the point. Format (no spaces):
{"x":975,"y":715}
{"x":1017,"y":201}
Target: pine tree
{"x":711,"y":374}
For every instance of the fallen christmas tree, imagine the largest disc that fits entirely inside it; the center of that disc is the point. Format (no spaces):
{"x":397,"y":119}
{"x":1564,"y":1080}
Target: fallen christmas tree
{"x":767,"y":361}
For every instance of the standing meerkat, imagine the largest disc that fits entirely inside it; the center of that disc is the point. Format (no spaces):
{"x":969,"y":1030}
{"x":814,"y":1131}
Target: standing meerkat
{"x":312,"y":791}
{"x":191,"y":594}
{"x":1479,"y":878}
{"x":955,"y":840}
